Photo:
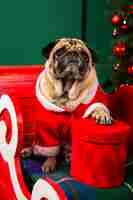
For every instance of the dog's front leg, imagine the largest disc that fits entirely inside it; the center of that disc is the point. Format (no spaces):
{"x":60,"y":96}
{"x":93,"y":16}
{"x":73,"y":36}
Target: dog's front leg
{"x":49,"y":165}
{"x":26,"y":152}
{"x":100,"y":113}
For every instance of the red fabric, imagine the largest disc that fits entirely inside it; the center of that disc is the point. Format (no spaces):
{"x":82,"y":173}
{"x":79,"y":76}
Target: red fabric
{"x":53,"y":127}
{"x":100,"y":97}
{"x":125,"y":102}
{"x":99,"y":152}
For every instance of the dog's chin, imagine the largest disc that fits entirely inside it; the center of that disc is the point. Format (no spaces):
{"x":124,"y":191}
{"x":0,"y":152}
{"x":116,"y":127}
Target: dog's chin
{"x":72,"y":96}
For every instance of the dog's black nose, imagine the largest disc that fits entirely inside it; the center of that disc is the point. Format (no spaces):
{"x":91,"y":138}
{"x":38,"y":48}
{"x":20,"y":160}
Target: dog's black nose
{"x":71,"y":58}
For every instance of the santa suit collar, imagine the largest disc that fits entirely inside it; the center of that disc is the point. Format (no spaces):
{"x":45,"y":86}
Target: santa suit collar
{"x":51,"y":106}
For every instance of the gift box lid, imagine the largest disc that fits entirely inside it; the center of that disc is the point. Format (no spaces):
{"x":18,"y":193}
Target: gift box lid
{"x":87,"y":130}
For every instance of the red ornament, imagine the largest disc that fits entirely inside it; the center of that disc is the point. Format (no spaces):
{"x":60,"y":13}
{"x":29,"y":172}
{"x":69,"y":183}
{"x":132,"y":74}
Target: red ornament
{"x":116,"y":19}
{"x":130,"y":9}
{"x":124,"y":27}
{"x":119,"y":49}
{"x":130,"y":70}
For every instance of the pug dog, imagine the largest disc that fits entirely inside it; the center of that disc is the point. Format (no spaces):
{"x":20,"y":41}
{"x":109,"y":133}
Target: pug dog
{"x":68,"y":82}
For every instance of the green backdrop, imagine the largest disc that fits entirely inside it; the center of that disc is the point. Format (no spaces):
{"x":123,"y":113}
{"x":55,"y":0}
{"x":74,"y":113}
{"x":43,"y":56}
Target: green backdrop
{"x":28,"y":25}
{"x":99,"y":35}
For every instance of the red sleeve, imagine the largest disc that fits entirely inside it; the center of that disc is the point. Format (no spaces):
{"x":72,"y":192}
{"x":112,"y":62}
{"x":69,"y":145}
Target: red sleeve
{"x":101,"y":97}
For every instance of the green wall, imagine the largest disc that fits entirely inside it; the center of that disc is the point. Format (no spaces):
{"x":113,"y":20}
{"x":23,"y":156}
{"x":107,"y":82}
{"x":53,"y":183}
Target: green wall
{"x":99,"y":35}
{"x":27,"y":25}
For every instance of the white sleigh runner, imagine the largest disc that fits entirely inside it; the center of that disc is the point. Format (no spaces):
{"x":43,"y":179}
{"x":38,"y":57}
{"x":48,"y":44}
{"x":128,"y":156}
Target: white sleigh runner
{"x":43,"y":188}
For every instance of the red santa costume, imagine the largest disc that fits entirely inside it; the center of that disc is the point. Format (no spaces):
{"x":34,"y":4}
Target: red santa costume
{"x":54,"y":123}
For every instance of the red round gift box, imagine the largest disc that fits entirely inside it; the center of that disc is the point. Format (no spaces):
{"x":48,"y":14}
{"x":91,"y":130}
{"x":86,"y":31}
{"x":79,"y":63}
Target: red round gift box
{"x":99,"y":152}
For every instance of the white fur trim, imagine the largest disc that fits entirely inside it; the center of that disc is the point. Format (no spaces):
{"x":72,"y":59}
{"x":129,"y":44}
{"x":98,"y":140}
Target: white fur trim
{"x":92,"y":107}
{"x":44,"y":102}
{"x":45,"y":151}
{"x":52,"y":107}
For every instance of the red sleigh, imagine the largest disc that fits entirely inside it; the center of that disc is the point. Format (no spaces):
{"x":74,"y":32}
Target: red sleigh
{"x":18,"y":107}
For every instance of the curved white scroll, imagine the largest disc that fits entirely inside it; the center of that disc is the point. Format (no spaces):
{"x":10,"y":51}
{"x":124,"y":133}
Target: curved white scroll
{"x":8,"y":150}
{"x":41,"y":188}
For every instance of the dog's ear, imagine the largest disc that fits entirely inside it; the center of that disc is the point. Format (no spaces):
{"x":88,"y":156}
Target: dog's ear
{"x":48,"y":48}
{"x":94,"y":55}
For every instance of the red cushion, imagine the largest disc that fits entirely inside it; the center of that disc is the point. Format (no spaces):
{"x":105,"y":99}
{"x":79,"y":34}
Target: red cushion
{"x":19,"y":81}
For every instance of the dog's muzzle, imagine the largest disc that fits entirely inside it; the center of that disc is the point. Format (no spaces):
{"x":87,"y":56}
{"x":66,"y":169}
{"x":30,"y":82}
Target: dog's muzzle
{"x":71,"y":65}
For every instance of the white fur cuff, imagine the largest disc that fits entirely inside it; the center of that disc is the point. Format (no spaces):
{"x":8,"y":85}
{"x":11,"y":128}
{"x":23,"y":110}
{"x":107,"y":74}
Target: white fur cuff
{"x":46,"y":151}
{"x":44,"y":102}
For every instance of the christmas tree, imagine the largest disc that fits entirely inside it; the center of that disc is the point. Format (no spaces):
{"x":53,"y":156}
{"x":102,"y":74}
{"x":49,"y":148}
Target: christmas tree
{"x":122,"y":47}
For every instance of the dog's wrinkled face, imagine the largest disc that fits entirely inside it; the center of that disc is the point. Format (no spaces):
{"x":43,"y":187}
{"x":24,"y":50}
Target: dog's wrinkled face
{"x":70,"y":65}
{"x":69,"y":61}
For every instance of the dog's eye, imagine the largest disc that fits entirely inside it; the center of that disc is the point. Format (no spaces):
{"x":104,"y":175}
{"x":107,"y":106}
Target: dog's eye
{"x":60,"y":52}
{"x":85,"y":56}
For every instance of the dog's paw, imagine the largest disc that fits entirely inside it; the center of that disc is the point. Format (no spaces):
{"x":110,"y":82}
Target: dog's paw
{"x":49,"y":165}
{"x":102,"y":116}
{"x":26,"y":152}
